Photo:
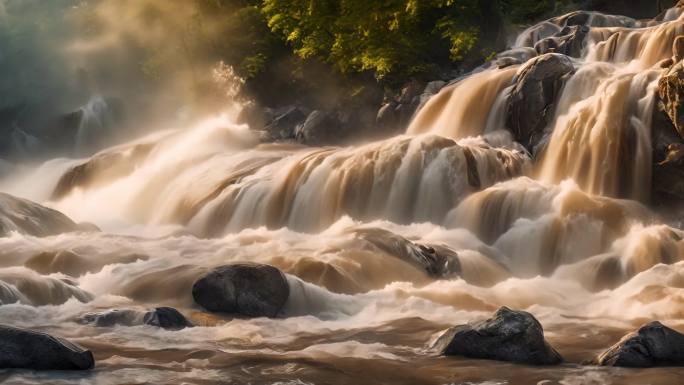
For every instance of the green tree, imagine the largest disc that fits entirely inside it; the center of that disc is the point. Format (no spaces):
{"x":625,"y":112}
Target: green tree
{"x":403,"y":37}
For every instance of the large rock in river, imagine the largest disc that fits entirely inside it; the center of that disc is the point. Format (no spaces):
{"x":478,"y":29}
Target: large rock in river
{"x":30,"y":218}
{"x":514,"y":336}
{"x":654,"y":344}
{"x":533,"y":99}
{"x":27,"y":349}
{"x":247,"y":289}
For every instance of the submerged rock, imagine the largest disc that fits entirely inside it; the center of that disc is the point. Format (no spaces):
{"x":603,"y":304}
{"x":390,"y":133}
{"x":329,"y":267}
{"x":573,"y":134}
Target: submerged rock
{"x":166,"y":318}
{"x":162,"y":317}
{"x":30,"y":218}
{"x":28,"y":349}
{"x":654,"y":344}
{"x":75,"y":265}
{"x":514,"y":336}
{"x":437,"y":262}
{"x":109,"y":318}
{"x":247,"y":289}
{"x":532,"y":100}
{"x":102,"y":168}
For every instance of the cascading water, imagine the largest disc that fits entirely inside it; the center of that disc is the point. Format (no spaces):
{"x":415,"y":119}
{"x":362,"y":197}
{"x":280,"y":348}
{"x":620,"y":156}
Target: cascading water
{"x":540,"y":203}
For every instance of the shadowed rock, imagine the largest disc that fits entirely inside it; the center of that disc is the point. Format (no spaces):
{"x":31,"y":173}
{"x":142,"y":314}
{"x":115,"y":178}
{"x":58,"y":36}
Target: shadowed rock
{"x":438,"y":262}
{"x":514,"y":336}
{"x":569,"y":41}
{"x":166,"y":318}
{"x":162,"y":317}
{"x":671,"y":88}
{"x":30,"y":218}
{"x":247,"y":289}
{"x":27,"y":349}
{"x":654,"y":344}
{"x":532,"y":100}
{"x":109,"y":318}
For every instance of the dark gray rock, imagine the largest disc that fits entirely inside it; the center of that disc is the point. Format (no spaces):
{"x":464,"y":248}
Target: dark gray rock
{"x":532,"y":100}
{"x":28,"y":349}
{"x":387,"y":117}
{"x":514,"y":336}
{"x":247,"y":289}
{"x":166,"y":318}
{"x":283,"y":123}
{"x":320,"y":128}
{"x":569,"y":41}
{"x":109,"y":318}
{"x":654,"y":344}
{"x":162,"y":317}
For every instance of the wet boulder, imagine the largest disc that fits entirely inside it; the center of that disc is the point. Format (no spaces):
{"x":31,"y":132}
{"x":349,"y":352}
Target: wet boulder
{"x":654,"y":344}
{"x":281,"y":123}
{"x":569,"y":41}
{"x":30,"y":218}
{"x":28,"y":349}
{"x":532,"y":101}
{"x":166,"y":318}
{"x":162,"y":317}
{"x":437,"y":261}
{"x":246,"y":289}
{"x":514,"y":336}
{"x":319,"y":128}
{"x":109,"y":318}
{"x":102,"y":168}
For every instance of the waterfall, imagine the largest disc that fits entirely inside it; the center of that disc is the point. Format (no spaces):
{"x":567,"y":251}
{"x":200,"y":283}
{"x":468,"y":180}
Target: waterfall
{"x":527,"y":183}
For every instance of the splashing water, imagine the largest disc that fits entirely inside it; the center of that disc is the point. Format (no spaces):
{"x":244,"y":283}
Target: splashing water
{"x":564,"y":233}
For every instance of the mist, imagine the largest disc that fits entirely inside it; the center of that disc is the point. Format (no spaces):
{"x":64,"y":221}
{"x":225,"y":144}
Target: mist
{"x":87,"y":74}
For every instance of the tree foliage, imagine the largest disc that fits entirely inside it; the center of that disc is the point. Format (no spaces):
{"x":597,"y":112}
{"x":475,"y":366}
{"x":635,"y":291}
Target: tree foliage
{"x":386,"y":37}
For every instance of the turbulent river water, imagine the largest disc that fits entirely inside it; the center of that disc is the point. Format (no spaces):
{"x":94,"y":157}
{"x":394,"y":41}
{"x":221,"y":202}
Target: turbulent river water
{"x":567,"y":236}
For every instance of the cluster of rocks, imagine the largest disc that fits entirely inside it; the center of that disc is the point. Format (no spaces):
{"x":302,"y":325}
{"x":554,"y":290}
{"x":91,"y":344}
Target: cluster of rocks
{"x":341,"y":124}
{"x":516,"y":336}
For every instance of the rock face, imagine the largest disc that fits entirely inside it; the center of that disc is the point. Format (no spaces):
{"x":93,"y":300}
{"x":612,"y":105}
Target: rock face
{"x":282,"y":122}
{"x":654,"y":344}
{"x":532,"y":101}
{"x":27,"y":349}
{"x":30,"y":218}
{"x":247,"y":289}
{"x":162,"y":317}
{"x":320,"y":127}
{"x":514,"y":336}
{"x":668,"y":131}
{"x":569,"y":41}
{"x":671,"y":89}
